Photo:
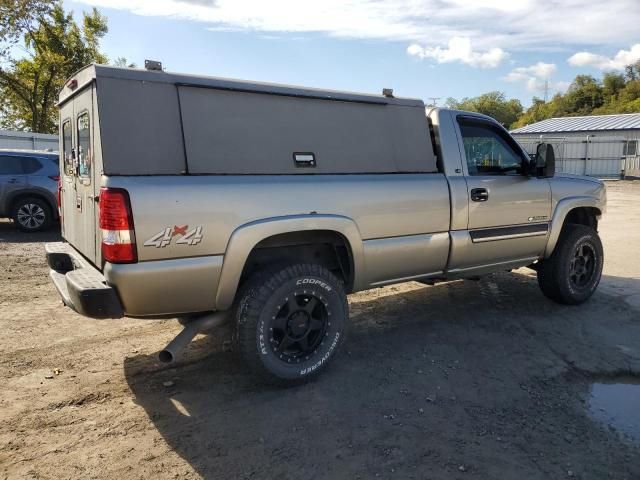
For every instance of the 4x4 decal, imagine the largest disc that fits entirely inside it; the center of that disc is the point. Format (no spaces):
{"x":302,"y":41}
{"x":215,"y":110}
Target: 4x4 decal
{"x":166,"y":235}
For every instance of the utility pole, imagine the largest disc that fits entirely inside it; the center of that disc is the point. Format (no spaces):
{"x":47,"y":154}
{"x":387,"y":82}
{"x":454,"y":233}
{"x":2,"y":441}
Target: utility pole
{"x":546,"y":90}
{"x":434,"y":101}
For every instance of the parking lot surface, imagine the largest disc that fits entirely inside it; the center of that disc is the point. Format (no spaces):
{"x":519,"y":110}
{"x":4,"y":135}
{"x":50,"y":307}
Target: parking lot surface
{"x":479,"y":379}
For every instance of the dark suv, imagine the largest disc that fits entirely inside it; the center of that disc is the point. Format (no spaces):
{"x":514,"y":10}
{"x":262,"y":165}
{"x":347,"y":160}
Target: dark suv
{"x":28,"y":188}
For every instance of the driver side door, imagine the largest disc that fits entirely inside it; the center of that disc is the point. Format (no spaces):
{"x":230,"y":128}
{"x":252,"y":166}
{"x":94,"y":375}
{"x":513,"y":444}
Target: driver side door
{"x":508,"y":210}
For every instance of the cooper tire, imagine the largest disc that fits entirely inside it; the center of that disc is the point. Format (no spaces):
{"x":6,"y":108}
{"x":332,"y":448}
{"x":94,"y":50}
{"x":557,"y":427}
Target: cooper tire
{"x":31,"y":214}
{"x":290,"y":322}
{"x":572,"y":273}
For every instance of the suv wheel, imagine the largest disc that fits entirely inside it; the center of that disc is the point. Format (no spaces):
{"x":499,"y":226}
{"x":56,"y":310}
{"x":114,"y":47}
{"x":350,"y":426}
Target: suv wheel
{"x":31,"y":214}
{"x":572,"y":273}
{"x":291,"y":321}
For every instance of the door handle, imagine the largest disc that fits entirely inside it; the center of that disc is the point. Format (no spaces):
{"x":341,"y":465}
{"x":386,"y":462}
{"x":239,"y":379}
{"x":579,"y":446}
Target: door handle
{"x":13,"y":180}
{"x":479,"y":195}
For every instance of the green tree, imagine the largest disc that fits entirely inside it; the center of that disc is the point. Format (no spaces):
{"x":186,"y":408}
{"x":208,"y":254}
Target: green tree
{"x":583,"y":96}
{"x":18,"y":17}
{"x":56,"y":47}
{"x":612,"y":83}
{"x":493,"y":104}
{"x":539,"y":110}
{"x":123,"y":63}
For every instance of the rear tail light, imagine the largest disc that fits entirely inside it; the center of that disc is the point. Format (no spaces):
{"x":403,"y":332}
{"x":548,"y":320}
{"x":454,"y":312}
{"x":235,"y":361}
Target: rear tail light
{"x":55,"y":178}
{"x":116,"y":223}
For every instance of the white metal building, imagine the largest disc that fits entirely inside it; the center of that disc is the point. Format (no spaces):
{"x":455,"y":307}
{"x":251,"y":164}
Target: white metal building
{"x":28,"y":140}
{"x":604,"y":146}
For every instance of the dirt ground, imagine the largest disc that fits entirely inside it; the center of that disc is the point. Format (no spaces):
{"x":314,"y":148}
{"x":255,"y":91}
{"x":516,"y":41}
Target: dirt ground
{"x":468,"y":379}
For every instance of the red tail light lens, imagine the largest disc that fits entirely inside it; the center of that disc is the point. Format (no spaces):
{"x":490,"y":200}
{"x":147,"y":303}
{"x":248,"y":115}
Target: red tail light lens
{"x":116,"y":223}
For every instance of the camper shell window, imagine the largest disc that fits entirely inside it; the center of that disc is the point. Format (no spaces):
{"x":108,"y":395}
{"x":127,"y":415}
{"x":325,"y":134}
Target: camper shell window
{"x":67,"y":147}
{"x":84,"y":145}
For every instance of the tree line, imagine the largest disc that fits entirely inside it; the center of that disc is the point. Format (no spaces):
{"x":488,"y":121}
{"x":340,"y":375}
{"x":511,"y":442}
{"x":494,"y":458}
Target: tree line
{"x":615,"y":92}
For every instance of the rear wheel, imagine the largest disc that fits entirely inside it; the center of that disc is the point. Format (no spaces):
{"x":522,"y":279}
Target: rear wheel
{"x":572,"y":273}
{"x":291,"y":321}
{"x":32,"y":214}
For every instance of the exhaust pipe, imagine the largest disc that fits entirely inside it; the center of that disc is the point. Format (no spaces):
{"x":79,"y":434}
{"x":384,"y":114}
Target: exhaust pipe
{"x":190,"y":330}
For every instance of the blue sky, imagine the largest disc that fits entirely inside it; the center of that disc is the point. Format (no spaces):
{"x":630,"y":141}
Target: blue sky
{"x":420,"y":48}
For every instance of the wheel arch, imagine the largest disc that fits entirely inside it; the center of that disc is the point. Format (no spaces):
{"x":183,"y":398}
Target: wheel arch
{"x":41,"y":195}
{"x":289,"y":237}
{"x":579,"y":210}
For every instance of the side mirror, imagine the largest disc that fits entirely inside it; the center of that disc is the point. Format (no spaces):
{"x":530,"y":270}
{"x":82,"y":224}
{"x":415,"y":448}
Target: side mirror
{"x":545,"y":161}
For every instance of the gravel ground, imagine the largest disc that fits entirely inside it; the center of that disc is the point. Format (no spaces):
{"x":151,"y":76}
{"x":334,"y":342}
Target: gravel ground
{"x":469,"y":379}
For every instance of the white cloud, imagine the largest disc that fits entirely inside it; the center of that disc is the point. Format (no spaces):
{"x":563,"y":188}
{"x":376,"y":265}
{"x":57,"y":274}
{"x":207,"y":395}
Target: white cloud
{"x":533,"y":76}
{"x":537,"y":77}
{"x":617,"y":62}
{"x":539,"y":70}
{"x":489,"y":24}
{"x":459,"y":50}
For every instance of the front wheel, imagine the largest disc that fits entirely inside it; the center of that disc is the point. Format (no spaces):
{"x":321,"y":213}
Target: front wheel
{"x":572,"y":273}
{"x":290,"y":322}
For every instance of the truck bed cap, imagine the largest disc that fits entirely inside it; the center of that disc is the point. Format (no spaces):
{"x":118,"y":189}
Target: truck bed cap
{"x":95,"y":71}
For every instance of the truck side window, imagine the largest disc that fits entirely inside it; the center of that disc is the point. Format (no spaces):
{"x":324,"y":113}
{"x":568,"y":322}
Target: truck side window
{"x":487,"y":151}
{"x":67,"y":148}
{"x":84,"y":145}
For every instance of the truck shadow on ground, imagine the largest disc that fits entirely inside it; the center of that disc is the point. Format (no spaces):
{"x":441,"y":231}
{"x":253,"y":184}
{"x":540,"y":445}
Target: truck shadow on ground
{"x":486,"y":377}
{"x":9,"y":233}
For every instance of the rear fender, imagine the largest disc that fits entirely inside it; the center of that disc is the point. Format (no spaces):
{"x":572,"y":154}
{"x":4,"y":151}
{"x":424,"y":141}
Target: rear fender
{"x":247,"y":236}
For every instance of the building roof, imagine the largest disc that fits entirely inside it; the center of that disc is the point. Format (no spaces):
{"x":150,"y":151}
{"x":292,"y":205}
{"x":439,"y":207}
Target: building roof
{"x":626,"y":121}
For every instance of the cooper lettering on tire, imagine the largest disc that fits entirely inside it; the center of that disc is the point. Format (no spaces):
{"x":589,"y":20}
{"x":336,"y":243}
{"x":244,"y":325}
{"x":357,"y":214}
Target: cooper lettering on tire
{"x":291,"y":322}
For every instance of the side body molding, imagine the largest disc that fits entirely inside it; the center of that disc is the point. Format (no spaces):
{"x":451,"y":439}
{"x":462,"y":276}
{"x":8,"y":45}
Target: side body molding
{"x":247,"y":236}
{"x":561,"y":211}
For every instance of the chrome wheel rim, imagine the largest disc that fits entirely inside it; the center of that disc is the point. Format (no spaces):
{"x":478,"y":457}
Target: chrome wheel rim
{"x":31,"y":216}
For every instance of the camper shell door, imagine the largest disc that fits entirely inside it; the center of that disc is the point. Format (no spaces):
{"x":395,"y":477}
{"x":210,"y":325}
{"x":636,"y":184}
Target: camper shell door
{"x":79,"y":174}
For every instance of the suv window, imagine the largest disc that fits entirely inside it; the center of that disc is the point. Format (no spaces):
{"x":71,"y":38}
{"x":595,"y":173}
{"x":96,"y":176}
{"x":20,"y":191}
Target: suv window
{"x":84,"y":145}
{"x":10,"y":165}
{"x":488,"y":150}
{"x":30,"y":164}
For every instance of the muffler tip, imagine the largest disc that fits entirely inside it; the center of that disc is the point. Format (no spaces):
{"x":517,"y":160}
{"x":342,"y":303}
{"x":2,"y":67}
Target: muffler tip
{"x":166,"y":356}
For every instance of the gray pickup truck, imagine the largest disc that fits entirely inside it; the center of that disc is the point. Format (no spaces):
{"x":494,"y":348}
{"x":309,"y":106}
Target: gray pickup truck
{"x":206,"y":198}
